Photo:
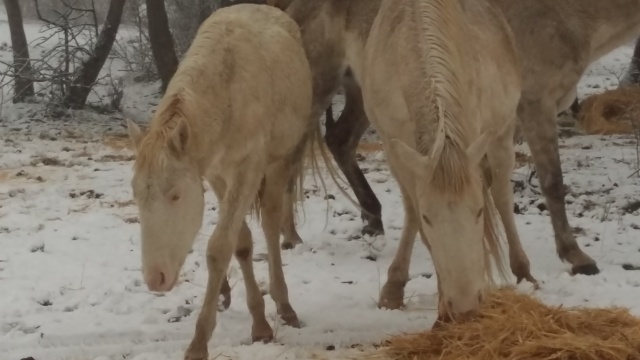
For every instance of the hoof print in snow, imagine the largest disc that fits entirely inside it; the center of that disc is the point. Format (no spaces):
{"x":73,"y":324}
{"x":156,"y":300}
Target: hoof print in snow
{"x":132,"y":220}
{"x":181,"y":312}
{"x":45,"y":302}
{"x":37,"y":247}
{"x":371,"y":257}
{"x":89,"y":194}
{"x":28,"y":358}
{"x":630,"y":267}
{"x":330,"y":348}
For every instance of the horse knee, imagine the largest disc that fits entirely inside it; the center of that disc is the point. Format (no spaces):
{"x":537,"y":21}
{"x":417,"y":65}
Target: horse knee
{"x":553,"y":186}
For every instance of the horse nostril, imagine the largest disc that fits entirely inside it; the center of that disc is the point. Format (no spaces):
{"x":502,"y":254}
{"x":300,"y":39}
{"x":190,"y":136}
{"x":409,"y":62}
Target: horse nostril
{"x":162,"y":279}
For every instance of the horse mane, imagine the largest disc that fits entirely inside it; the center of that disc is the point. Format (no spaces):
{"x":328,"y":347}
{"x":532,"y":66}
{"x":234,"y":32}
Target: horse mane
{"x":446,"y":140}
{"x":178,"y":105}
{"x":438,"y":29}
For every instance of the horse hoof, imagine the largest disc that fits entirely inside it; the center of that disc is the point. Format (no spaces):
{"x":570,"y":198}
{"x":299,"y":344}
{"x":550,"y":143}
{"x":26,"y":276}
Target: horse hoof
{"x":291,"y":320}
{"x":529,"y":278}
{"x":391,"y":296}
{"x":196,"y":355}
{"x":390,"y":302}
{"x":261,"y":332}
{"x":263,"y":338}
{"x":372,"y":230}
{"x":289,"y":316}
{"x":588,"y":269}
{"x":290,"y":244}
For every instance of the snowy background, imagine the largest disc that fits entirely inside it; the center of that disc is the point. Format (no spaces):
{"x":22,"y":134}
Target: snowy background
{"x":70,"y":281}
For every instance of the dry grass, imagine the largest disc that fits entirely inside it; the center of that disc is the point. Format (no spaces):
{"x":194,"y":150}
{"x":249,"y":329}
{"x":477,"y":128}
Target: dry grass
{"x":369,"y":147}
{"x":118,"y":142}
{"x":516,"y":326}
{"x":611,"y":112}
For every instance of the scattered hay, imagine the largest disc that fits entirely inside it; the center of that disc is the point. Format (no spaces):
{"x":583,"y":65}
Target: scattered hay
{"x":516,"y":326}
{"x":611,"y":112}
{"x":116,"y":158}
{"x":370,"y":147}
{"x":118,"y":142}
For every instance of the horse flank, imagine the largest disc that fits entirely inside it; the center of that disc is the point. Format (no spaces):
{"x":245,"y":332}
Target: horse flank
{"x":446,"y":140}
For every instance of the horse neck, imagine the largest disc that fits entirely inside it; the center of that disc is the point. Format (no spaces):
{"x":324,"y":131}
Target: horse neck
{"x":615,"y":22}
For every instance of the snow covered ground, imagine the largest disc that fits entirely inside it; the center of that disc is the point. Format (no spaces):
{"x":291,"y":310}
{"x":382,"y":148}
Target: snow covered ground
{"x":70,"y":281}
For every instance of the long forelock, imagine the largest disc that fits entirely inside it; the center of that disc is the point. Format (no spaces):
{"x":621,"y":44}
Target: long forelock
{"x":175,"y":107}
{"x":452,"y":173}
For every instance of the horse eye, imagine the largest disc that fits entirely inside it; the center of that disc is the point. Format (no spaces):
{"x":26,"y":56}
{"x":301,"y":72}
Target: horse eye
{"x":426,"y":220}
{"x":479,"y":214}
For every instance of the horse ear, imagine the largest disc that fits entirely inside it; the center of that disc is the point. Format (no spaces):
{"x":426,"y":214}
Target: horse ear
{"x":478,"y":149}
{"x":135,"y":134}
{"x":179,"y":138}
{"x":409,"y":157}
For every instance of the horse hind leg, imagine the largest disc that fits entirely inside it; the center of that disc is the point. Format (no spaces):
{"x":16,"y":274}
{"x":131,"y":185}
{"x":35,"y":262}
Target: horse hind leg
{"x":289,"y":232}
{"x":271,"y":208}
{"x":342,"y":138}
{"x":539,"y":126}
{"x":261,"y":330}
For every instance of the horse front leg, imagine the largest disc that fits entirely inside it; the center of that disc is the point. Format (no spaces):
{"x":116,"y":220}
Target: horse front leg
{"x":392,"y":293}
{"x":501,"y":157}
{"x":241,"y":190}
{"x":342,"y":138}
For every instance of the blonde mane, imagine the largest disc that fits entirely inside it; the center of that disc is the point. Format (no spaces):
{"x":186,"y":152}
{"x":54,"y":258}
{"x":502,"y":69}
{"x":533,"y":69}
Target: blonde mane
{"x":437,"y":24}
{"x":179,"y":105}
{"x":446,"y":139}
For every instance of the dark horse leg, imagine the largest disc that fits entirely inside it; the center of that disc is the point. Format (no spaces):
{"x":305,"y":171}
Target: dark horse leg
{"x":342,"y":138}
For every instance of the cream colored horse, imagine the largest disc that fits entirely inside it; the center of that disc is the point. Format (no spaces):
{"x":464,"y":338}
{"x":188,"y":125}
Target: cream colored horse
{"x":236,"y":113}
{"x":556,"y":42}
{"x":441,"y":84}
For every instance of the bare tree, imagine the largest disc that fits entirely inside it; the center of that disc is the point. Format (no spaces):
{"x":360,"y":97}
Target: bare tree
{"x":88,"y":73}
{"x":161,"y":40}
{"x":23,"y":83}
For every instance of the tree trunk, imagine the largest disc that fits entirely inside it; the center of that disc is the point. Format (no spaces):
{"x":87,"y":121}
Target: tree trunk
{"x":88,"y":73}
{"x":633,"y":73}
{"x":225,"y":3}
{"x":161,"y":40}
{"x":23,"y":83}
{"x":207,"y":10}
